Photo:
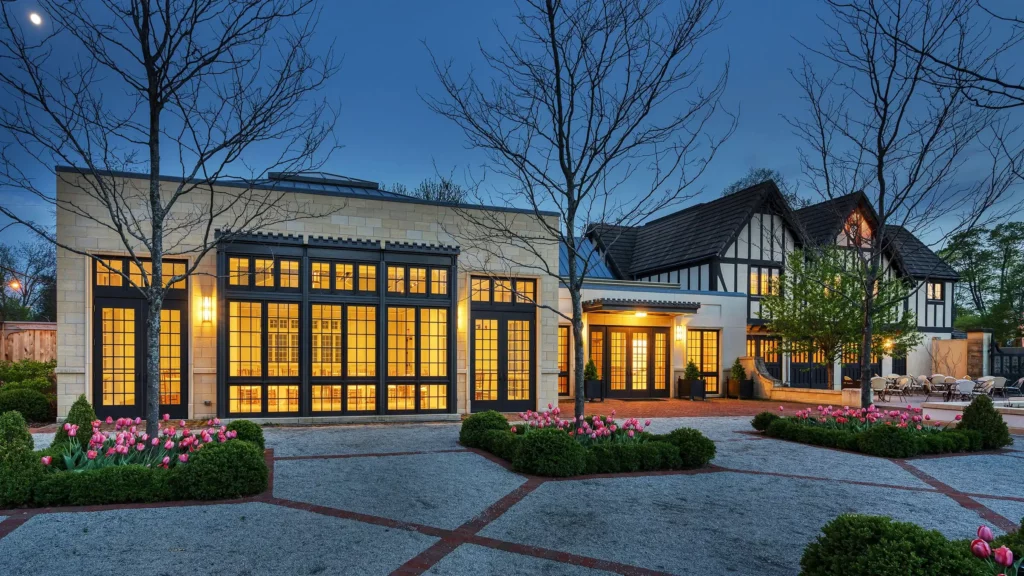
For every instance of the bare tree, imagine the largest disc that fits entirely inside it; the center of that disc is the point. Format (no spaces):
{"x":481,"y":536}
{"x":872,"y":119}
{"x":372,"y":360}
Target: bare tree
{"x":878,"y":122}
{"x":30,"y":266}
{"x":790,"y":191}
{"x":594,"y":111}
{"x":182,"y":86}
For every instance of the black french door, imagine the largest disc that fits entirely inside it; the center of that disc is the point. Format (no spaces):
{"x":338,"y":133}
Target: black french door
{"x":504,"y":356}
{"x":119,"y":358}
{"x":637,"y":362}
{"x":702,"y":349}
{"x":767,"y":349}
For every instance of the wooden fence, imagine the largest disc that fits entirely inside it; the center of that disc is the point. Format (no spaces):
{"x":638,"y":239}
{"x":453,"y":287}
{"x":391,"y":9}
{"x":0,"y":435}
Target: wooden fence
{"x":32,"y":340}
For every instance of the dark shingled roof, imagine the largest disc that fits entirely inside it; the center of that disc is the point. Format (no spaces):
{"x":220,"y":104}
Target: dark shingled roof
{"x":824,"y":221}
{"x":690,"y":235}
{"x":918,"y":260}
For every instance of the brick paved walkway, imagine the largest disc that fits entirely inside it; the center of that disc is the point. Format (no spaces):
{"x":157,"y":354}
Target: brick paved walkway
{"x":672,"y":408}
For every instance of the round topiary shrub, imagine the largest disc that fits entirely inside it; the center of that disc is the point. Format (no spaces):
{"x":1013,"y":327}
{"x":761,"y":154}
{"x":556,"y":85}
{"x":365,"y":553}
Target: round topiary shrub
{"x":888,"y":442}
{"x":20,"y":471}
{"x":82,"y":415}
{"x":670,"y":459}
{"x":32,"y":405}
{"x":982,"y":416}
{"x":550,"y":452}
{"x":856,"y":545}
{"x":14,"y":434}
{"x":763,"y":420}
{"x":695,"y":449}
{"x":474,"y":426}
{"x":249,"y":431}
{"x":232,"y":469}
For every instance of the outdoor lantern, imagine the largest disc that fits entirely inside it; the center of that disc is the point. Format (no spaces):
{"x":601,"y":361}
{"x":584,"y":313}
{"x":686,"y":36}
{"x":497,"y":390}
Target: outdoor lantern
{"x":641,"y":314}
{"x":680,"y":332}
{"x":207,"y":309}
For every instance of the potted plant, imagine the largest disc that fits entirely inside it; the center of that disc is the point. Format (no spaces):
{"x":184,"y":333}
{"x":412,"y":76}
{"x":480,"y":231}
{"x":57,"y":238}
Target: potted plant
{"x":592,"y":387}
{"x":736,"y":374}
{"x":691,"y":383}
{"x":744,"y":384}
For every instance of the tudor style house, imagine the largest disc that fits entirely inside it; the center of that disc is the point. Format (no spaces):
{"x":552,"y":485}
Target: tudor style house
{"x":688,"y":286}
{"x":372,"y":312}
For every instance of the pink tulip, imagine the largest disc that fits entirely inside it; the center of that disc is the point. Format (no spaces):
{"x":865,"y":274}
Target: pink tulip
{"x":985,"y":533}
{"x":513,"y":429}
{"x":91,"y":454}
{"x":110,"y":420}
{"x":1003,"y":556}
{"x":46,"y":460}
{"x":140,"y":446}
{"x":73,"y":431}
{"x":647,"y":423}
{"x":216,"y":421}
{"x":980,"y":548}
{"x":782,"y":408}
{"x":958,"y":417}
{"x":183,"y":458}
{"x":167,"y":417}
{"x":166,"y":460}
{"x":168,"y":445}
{"x":67,"y":426}
{"x":155,"y":441}
{"x":630,"y":433}
{"x":927,"y":416}
{"x":232,"y":433}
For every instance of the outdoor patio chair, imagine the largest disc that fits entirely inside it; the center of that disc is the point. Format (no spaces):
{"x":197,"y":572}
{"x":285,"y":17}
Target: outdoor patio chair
{"x":937,"y":384}
{"x":919,"y":383}
{"x":1014,"y":388}
{"x":880,"y":387}
{"x":965,"y":389}
{"x":950,"y":381}
{"x":998,"y":386}
{"x":901,"y":387}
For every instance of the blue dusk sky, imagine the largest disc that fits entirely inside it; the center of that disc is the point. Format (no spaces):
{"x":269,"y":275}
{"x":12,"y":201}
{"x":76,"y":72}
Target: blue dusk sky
{"x":389,"y":135}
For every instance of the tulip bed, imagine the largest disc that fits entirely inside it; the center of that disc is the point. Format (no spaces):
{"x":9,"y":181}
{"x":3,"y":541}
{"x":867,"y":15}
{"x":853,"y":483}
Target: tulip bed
{"x":547,"y":445}
{"x":889,"y":433}
{"x":127,"y":465}
{"x":858,"y":545}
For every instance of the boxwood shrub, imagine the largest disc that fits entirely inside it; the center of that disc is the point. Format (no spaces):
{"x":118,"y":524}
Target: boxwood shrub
{"x":982,"y":417}
{"x":763,"y":420}
{"x":82,"y":415}
{"x":233,"y":469}
{"x":14,"y":434}
{"x":474,"y":426}
{"x":857,"y":545}
{"x":249,"y":431}
{"x":111,"y":485}
{"x":26,"y":370}
{"x":550,"y":452}
{"x":33,"y":405}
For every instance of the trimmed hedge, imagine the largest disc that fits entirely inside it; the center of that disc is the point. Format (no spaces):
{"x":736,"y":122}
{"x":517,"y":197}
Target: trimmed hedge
{"x":857,"y":545}
{"x":82,"y":415}
{"x":879,"y":440}
{"x":14,"y":434}
{"x":982,"y":417}
{"x":33,"y":405}
{"x":27,"y":370}
{"x":550,"y":452}
{"x":112,"y":485}
{"x":474,"y":426}
{"x":20,"y":472}
{"x":249,"y":431}
{"x":233,"y":469}
{"x":763,"y":420}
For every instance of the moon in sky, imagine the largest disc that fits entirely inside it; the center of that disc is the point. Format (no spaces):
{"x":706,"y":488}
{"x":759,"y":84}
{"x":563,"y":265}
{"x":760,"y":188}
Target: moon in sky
{"x":35,"y":18}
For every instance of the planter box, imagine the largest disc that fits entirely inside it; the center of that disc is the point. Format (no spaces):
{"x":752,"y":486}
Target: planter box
{"x":593,"y":389}
{"x":733,"y":390}
{"x":746,"y":389}
{"x":691,"y":389}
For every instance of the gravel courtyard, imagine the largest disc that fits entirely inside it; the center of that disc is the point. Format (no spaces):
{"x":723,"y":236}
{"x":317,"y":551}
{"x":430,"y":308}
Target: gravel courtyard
{"x":410,"y":500}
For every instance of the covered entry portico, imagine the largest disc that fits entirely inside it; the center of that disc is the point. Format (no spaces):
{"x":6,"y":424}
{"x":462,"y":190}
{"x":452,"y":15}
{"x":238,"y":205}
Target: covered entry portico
{"x":631,"y":344}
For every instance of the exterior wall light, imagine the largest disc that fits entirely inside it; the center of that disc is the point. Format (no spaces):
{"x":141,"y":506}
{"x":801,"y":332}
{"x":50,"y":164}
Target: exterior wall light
{"x":640,"y":314}
{"x":680,"y":332}
{"x":207,"y":309}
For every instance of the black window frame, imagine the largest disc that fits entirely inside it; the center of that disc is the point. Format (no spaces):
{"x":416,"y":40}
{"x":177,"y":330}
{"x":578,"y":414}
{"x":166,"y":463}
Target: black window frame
{"x":929,"y":292}
{"x":428,"y":279}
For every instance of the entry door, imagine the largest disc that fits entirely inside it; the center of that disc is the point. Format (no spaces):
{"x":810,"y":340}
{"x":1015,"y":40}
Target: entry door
{"x":767,"y":349}
{"x":638,"y":362}
{"x":702,"y":349}
{"x":119,"y":369}
{"x":503,"y":362}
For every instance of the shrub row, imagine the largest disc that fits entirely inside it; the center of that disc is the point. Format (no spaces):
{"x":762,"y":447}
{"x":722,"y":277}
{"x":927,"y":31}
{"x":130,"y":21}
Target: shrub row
{"x":552,"y":452}
{"x":858,"y":545}
{"x":29,"y":387}
{"x":34,"y":406}
{"x":880,"y":440}
{"x":26,"y":370}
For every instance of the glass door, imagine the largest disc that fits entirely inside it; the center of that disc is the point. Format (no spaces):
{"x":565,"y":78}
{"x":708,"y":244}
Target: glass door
{"x":118,"y":359}
{"x":637,"y":361}
{"x":173,"y":364}
{"x":702,"y":349}
{"x":503,"y":362}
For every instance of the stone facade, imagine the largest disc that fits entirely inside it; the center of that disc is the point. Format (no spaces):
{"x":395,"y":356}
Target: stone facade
{"x":365,"y":218}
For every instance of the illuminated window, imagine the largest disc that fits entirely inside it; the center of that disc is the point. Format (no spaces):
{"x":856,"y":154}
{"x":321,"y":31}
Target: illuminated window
{"x":660,"y":359}
{"x":238,"y":271}
{"x":326,"y":398}
{"x":319,"y":276}
{"x":172,"y":269}
{"x":417,"y":280}
{"x":935,"y":290}
{"x":343,"y":276}
{"x":290,"y":274}
{"x":525,"y":291}
{"x":367,"y":278}
{"x":502,"y":291}
{"x":433,"y":397}
{"x":170,"y":356}
{"x":618,"y":360}
{"x":325,"y":341}
{"x":362,"y":398}
{"x":439,"y":282}
{"x":755,"y":281}
{"x":107,"y":273}
{"x":361,"y":336}
{"x":245,"y":399}
{"x":518,"y":368}
{"x":563,"y":360}
{"x":597,"y":351}
{"x":480,"y":290}
{"x":144,"y":276}
{"x":264,"y":272}
{"x":401,"y":342}
{"x":282,"y":398}
{"x":245,"y":338}
{"x":401,"y":397}
{"x":136,"y":276}
{"x":118,"y":341}
{"x":282,"y":339}
{"x":396,"y":279}
{"x":485,"y":359}
{"x":433,"y":342}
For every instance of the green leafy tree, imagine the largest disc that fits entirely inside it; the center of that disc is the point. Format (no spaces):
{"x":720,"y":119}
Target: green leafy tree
{"x":817,"y":306}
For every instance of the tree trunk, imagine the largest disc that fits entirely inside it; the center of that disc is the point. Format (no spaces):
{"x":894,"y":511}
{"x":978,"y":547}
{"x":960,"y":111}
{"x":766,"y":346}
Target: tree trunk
{"x":578,"y":352}
{"x":154,"y":292}
{"x":830,"y":371}
{"x":865,"y":343}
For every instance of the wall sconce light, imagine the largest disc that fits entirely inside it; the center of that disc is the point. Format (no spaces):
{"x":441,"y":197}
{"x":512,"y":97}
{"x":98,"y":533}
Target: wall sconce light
{"x":640,"y":314}
{"x":680,"y":332}
{"x":888,"y":344}
{"x":207,"y":309}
